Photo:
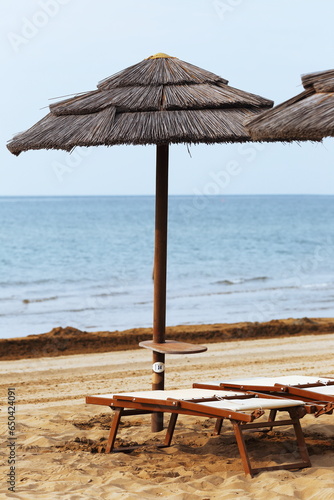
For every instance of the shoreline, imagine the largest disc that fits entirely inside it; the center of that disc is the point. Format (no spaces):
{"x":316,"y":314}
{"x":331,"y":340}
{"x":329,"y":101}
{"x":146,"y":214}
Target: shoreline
{"x":68,"y":341}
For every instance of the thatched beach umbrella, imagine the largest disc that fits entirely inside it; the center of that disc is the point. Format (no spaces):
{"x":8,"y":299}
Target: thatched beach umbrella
{"x":309,"y":116}
{"x":161,"y":100}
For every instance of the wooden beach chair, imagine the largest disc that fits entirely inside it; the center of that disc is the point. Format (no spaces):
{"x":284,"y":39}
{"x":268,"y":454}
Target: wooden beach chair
{"x":317,"y":393}
{"x":240,"y":408}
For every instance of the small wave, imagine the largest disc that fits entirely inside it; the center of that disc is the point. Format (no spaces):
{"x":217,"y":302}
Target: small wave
{"x":225,"y":282}
{"x":82,"y":309}
{"x":110,"y":294}
{"x":25,"y":283}
{"x":317,"y":285}
{"x":7,"y":299}
{"x":258,"y":278}
{"x":241,"y":280}
{"x":234,"y":292}
{"x":48,"y":312}
{"x":31,"y":301}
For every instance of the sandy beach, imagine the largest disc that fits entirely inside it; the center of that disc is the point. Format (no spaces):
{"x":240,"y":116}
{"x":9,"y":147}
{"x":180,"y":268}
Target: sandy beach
{"x":60,"y":439}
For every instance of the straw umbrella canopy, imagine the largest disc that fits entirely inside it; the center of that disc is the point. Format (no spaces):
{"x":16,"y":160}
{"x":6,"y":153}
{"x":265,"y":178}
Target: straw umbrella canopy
{"x":161,"y":100}
{"x":309,"y":116}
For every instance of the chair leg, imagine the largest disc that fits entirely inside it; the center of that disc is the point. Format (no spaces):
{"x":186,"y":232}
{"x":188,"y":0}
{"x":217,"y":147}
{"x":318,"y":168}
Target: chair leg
{"x":218,"y":426}
{"x":113,"y":430}
{"x":294,"y":421}
{"x":242,"y":448}
{"x":272,"y":417}
{"x":301,"y":443}
{"x":170,"y":429}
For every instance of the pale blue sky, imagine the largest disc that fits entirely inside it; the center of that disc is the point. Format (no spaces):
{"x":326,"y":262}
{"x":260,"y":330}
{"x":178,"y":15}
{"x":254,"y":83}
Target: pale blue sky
{"x":51,"y":48}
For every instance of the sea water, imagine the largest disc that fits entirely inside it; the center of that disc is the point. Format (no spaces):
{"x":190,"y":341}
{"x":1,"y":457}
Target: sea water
{"x":87,"y":262}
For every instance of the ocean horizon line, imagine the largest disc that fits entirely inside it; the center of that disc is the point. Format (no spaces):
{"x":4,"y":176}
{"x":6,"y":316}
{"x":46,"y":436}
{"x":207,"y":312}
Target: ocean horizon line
{"x":230,"y":195}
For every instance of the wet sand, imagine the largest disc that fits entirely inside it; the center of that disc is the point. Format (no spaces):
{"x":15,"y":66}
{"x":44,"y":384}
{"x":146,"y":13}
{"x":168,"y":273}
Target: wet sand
{"x":66,"y":341}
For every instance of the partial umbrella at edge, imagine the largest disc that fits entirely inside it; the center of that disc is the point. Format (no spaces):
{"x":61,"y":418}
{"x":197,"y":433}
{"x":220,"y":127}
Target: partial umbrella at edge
{"x":161,"y":100}
{"x":309,"y":116}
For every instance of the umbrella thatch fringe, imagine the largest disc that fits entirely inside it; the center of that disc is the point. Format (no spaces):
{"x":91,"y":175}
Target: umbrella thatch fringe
{"x":162,"y":71}
{"x":125,"y":99}
{"x":170,"y":97}
{"x":70,"y":130}
{"x":309,"y":116}
{"x":160,"y":100}
{"x":210,"y":96}
{"x":108,"y":128}
{"x":325,"y":86}
{"x":319,"y":79}
{"x":202,"y":126}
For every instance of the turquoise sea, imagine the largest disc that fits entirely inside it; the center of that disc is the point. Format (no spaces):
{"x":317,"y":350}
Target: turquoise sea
{"x":87,"y":261}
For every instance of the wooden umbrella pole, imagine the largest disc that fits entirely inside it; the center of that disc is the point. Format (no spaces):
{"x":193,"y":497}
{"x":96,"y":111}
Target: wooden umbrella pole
{"x":160,"y":274}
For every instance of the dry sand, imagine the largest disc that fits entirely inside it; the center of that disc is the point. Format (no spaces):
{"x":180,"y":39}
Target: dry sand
{"x":60,"y":438}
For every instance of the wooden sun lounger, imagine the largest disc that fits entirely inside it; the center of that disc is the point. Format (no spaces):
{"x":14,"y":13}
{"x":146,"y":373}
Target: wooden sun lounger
{"x":317,"y":393}
{"x":241,"y":408}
